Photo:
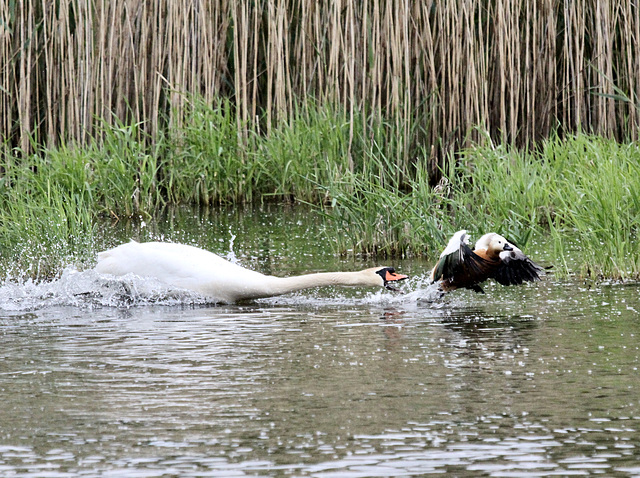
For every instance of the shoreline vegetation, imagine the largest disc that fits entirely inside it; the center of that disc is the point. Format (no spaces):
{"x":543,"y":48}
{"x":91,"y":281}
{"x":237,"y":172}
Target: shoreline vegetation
{"x":398,"y":121}
{"x":582,"y":191}
{"x":435,"y":71}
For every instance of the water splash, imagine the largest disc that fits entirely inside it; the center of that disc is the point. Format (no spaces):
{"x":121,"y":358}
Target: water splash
{"x":87,"y":289}
{"x":423,"y":290}
{"x":231,"y":255}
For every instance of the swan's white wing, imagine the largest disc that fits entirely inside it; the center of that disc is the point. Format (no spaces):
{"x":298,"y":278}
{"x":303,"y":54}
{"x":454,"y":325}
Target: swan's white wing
{"x":161,"y":260}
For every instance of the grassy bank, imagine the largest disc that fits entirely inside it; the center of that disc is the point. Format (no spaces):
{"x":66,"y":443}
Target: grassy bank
{"x":581,"y":193}
{"x":584,"y":192}
{"x":581,"y":190}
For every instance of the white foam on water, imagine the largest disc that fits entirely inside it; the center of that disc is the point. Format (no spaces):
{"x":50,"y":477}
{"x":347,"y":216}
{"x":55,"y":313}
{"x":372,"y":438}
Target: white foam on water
{"x":91,"y":289}
{"x":88,"y":288}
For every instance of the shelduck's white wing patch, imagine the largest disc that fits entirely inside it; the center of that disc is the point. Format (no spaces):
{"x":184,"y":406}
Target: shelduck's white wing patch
{"x":458,"y":239}
{"x":453,"y":258}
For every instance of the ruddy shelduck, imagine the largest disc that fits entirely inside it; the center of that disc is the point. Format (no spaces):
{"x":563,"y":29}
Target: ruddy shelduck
{"x":492,"y":257}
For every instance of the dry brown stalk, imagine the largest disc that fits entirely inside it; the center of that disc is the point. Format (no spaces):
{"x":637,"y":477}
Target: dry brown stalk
{"x":519,"y":69}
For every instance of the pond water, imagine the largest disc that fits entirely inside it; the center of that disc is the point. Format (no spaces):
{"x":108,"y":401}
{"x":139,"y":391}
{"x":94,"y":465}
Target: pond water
{"x":104,"y":377}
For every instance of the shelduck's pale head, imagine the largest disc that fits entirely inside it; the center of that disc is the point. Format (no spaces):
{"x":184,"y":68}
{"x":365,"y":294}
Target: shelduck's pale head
{"x":494,"y":244}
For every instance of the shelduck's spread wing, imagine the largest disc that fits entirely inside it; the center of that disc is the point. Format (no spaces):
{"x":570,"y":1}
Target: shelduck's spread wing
{"x":516,"y":268}
{"x":459,"y":261}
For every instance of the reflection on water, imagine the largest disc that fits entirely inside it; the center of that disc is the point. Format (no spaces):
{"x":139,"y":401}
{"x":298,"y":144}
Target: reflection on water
{"x":520,"y":382}
{"x":530,"y":381}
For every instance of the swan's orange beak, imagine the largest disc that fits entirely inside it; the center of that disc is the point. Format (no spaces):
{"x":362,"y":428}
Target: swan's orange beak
{"x":391,"y":276}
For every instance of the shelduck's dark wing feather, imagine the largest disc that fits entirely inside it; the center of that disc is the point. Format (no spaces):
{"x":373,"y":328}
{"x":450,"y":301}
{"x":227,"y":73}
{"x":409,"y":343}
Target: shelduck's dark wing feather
{"x":451,"y":257}
{"x":448,"y":265}
{"x":475,"y":266}
{"x":461,"y":262}
{"x":516,"y":268}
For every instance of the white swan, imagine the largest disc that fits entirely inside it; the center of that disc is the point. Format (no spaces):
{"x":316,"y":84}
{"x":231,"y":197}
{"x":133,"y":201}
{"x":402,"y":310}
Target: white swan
{"x":188,"y":267}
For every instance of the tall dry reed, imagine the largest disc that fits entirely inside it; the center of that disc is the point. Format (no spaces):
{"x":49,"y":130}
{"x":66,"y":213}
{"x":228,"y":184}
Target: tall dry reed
{"x":432,"y":70}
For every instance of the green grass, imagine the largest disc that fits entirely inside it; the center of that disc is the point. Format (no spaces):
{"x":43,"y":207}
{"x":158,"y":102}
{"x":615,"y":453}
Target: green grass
{"x":204,"y":163}
{"x":581,"y":194}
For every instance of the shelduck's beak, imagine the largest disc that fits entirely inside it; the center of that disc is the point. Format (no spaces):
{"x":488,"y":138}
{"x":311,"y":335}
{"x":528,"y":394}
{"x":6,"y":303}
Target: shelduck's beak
{"x":389,"y":274}
{"x":507,"y":247}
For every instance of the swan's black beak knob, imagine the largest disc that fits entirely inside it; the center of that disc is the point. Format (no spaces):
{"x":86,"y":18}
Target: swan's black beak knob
{"x":389,"y":274}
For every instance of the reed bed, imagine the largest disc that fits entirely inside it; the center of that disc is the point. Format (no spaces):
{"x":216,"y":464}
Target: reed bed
{"x":436,"y":70}
{"x":411,"y":119}
{"x":579,"y":190}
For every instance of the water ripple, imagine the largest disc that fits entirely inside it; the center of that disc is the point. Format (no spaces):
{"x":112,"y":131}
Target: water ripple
{"x":126,"y":378}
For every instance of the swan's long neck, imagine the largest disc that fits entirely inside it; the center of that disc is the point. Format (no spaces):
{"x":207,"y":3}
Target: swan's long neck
{"x":322,"y":279}
{"x":271,"y":285}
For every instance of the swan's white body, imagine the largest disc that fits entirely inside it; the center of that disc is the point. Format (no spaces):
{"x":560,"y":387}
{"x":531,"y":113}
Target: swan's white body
{"x":188,"y":267}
